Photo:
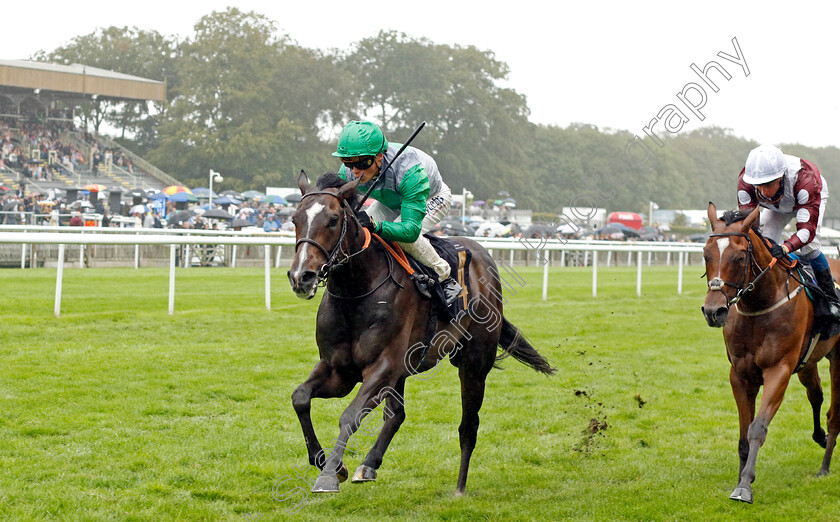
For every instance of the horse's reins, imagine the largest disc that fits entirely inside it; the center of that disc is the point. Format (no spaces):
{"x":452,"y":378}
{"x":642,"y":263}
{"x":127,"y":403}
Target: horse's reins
{"x":717,"y":284}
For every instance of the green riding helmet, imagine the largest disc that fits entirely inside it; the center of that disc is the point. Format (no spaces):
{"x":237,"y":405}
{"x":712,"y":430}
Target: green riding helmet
{"x":360,"y":138}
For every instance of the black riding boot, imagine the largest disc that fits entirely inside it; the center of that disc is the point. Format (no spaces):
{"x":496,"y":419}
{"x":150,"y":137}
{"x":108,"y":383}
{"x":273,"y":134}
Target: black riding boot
{"x":451,"y":289}
{"x":826,"y":282}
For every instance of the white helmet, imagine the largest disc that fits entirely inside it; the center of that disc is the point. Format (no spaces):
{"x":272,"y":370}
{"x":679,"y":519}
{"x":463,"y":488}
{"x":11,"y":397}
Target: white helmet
{"x":765,"y":163}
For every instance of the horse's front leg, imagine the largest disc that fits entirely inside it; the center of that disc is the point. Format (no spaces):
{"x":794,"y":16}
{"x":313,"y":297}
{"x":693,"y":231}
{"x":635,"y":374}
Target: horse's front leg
{"x":324,"y":382}
{"x":775,"y":383}
{"x":377,"y":377}
{"x":393,"y":414}
{"x":745,"y":392}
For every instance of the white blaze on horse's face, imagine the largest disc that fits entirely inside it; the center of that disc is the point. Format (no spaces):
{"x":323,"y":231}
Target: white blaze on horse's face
{"x":722,"y":243}
{"x":302,"y":254}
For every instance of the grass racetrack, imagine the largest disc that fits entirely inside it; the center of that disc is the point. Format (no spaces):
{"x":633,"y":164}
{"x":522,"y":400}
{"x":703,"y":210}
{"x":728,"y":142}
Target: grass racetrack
{"x":118,"y":411}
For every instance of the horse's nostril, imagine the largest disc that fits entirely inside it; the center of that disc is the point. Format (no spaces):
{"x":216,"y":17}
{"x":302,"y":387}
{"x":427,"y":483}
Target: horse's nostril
{"x":307,"y":277}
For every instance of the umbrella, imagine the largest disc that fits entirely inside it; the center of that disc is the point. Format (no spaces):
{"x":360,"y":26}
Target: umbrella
{"x":227,"y":200}
{"x":498,"y":202}
{"x":241,"y":223}
{"x":181,"y":197}
{"x":293,"y":198}
{"x":252,"y":194}
{"x":158,"y":195}
{"x":276,"y":200}
{"x":539,"y":230}
{"x":203,"y":192}
{"x":95,"y":187}
{"x":176,"y":189}
{"x":216,"y":213}
{"x":180,"y":216}
{"x":478,"y":203}
{"x":136,"y":193}
{"x":618,"y":228}
{"x":232,"y":193}
{"x":46,"y":203}
{"x":509,"y":204}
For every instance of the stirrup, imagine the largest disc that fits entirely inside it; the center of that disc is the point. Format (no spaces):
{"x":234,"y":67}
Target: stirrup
{"x":451,"y":290}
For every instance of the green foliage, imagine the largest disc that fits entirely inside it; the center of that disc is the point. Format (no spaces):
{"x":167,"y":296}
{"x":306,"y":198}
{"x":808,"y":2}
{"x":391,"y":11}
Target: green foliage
{"x":257,"y":107}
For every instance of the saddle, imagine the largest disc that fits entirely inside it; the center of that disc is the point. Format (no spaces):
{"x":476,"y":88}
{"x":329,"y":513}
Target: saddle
{"x":456,"y":254}
{"x":824,"y":324}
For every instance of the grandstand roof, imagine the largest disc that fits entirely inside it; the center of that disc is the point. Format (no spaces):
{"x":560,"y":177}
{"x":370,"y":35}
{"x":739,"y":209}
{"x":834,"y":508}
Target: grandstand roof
{"x":77,"y":81}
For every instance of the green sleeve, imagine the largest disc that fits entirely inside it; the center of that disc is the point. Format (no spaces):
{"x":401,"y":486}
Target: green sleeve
{"x":414,"y":189}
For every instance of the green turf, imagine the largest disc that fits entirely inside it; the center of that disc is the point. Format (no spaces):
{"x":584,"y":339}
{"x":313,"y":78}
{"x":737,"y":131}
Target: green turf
{"x":118,"y":411}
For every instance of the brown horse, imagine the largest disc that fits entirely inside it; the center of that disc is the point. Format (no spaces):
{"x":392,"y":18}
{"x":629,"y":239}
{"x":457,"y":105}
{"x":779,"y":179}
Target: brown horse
{"x":767,"y":336}
{"x":374,"y":327}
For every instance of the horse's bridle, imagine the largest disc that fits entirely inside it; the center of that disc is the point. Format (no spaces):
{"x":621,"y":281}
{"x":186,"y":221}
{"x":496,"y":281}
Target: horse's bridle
{"x":717,"y":284}
{"x":333,"y":261}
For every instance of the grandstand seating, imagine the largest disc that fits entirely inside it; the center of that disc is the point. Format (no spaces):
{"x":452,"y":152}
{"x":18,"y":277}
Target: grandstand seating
{"x":135,"y":173}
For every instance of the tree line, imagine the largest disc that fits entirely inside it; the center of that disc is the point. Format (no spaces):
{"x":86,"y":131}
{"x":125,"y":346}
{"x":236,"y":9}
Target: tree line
{"x":258,"y":107}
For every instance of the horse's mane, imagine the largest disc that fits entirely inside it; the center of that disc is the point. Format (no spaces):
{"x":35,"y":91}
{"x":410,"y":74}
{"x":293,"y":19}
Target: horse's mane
{"x":330,"y":180}
{"x":735,"y":216}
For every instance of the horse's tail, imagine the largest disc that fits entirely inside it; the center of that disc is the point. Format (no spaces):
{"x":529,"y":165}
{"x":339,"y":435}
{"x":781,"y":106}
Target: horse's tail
{"x":514,"y":343}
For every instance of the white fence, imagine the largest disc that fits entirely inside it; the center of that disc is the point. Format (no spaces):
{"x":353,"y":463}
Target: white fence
{"x":62,"y":236}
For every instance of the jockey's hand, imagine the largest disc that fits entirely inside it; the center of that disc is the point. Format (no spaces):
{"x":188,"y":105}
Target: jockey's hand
{"x":366,"y":221}
{"x":778,"y":251}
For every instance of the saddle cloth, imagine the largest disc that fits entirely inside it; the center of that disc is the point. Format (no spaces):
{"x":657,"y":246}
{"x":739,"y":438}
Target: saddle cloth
{"x":823,"y":323}
{"x":458,"y":256}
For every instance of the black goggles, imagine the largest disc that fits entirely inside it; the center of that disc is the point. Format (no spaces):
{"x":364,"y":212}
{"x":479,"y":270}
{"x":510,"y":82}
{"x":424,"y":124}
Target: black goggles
{"x":363,"y":163}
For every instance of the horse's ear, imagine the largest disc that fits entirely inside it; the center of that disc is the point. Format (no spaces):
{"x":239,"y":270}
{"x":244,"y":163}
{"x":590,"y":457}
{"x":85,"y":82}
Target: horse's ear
{"x":348,"y":189}
{"x":303,"y":182}
{"x":712,"y":212}
{"x":748,"y":222}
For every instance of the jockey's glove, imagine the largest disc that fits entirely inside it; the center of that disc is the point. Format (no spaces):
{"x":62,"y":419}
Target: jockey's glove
{"x":777,"y":251}
{"x":366,"y":221}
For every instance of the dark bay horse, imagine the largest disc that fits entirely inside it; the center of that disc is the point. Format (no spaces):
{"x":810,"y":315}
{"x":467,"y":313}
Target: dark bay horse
{"x":767,"y":321}
{"x":373,"y":327}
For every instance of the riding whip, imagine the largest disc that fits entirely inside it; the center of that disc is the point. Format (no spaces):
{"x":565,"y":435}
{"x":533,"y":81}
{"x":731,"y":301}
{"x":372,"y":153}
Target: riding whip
{"x":384,"y":170}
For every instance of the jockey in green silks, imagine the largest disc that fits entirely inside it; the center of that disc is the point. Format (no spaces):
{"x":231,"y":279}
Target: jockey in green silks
{"x":409,"y":201}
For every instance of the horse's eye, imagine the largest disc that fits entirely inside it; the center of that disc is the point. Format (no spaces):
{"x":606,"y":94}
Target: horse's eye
{"x":333,"y":222}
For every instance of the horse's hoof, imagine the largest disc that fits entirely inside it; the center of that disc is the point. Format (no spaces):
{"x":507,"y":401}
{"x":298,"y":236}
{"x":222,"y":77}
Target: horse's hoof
{"x":742,"y":494}
{"x":326,"y":484}
{"x":343,"y":473}
{"x":364,"y":474}
{"x":822,"y":472}
{"x":819,"y":437}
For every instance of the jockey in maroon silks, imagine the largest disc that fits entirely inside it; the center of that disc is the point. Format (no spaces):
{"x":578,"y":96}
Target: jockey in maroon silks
{"x":788,"y":187}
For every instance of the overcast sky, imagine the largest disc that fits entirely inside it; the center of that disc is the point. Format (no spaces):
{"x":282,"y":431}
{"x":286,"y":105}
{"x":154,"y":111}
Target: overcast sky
{"x":612,"y":64}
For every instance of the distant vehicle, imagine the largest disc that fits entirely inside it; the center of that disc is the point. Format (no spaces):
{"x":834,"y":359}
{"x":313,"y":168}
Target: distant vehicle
{"x":630,"y":219}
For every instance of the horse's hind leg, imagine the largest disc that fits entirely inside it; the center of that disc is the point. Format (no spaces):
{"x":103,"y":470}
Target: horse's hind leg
{"x":810,"y":378}
{"x":833,"y":410}
{"x":472,"y":397}
{"x":324,"y":382}
{"x":393,"y":414}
